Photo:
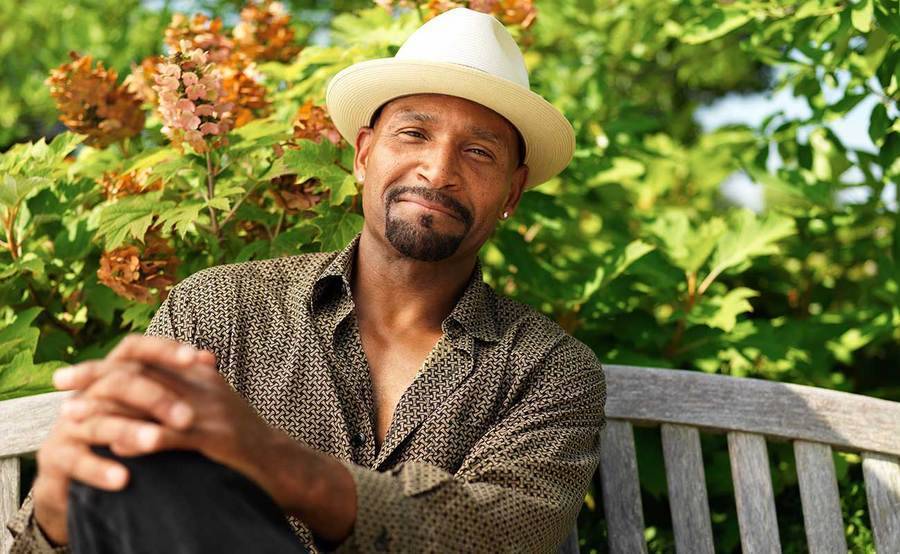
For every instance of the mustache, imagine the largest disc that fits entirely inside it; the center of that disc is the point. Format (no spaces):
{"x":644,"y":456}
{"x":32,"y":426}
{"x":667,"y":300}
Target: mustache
{"x":431,"y":195}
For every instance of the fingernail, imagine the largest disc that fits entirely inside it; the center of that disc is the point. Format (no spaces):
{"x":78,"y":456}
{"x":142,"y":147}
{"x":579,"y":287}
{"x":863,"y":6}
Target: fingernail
{"x":185,"y":354}
{"x":64,"y":377}
{"x":147,"y":437}
{"x":116,"y":476}
{"x":181,"y":414}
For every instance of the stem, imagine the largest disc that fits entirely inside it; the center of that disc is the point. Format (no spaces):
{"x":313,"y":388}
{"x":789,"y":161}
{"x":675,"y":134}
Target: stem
{"x":9,"y":224}
{"x":278,"y":225}
{"x":210,"y":191}
{"x":237,"y":204}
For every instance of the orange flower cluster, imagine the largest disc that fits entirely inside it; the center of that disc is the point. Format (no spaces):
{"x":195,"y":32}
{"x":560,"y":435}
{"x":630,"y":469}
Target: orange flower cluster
{"x":312,"y":122}
{"x":140,"y":274}
{"x":201,"y":32}
{"x":91,"y":103}
{"x":246,"y":93}
{"x":127,"y":184}
{"x":264,"y":33}
{"x":510,"y":12}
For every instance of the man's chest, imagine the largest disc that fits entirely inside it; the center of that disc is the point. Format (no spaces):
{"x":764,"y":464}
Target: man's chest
{"x":375,"y":406}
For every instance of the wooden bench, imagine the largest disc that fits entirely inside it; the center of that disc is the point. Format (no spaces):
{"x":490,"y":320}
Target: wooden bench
{"x":682,"y":403}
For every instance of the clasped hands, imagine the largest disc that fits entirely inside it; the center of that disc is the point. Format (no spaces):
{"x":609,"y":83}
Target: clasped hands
{"x":148,"y":395}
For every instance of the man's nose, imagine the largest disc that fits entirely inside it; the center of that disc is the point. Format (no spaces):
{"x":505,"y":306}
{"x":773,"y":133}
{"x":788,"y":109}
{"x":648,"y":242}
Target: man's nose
{"x":439,"y":165}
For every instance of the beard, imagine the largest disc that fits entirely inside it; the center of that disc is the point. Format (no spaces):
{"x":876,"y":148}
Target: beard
{"x":419,"y":240}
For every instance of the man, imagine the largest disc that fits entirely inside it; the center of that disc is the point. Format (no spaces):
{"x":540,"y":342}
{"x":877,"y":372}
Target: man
{"x":386,"y":399}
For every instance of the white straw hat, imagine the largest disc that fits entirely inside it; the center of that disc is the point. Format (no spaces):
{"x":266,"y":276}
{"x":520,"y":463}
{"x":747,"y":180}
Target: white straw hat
{"x":460,"y":53}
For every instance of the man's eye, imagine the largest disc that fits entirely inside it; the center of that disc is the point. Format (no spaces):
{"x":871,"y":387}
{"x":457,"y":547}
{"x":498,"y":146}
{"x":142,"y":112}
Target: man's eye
{"x":416,"y":134}
{"x":481,"y":152}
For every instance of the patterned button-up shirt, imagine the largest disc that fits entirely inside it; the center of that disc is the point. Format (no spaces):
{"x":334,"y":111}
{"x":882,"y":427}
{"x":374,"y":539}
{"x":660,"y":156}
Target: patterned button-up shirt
{"x":491,"y":448}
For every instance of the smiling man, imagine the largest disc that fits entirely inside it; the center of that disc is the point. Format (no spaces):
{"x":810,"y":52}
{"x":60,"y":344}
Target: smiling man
{"x":379,"y":398}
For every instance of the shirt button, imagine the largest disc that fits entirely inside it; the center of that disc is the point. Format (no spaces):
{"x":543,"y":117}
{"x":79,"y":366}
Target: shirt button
{"x":357,"y":440}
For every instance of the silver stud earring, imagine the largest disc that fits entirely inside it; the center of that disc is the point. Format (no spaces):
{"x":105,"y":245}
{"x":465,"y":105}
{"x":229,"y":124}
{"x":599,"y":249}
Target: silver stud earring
{"x":505,"y":215}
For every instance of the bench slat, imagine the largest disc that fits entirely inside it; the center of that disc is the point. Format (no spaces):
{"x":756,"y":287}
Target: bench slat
{"x":723,"y":403}
{"x":9,"y":498}
{"x":621,"y":489}
{"x":819,"y":495}
{"x":687,"y":489}
{"x":753,"y":493}
{"x":882,"y":476}
{"x":25,"y":422}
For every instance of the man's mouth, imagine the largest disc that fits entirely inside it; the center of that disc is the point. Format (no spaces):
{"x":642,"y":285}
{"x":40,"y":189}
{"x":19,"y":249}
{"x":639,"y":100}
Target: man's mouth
{"x":429,"y":205}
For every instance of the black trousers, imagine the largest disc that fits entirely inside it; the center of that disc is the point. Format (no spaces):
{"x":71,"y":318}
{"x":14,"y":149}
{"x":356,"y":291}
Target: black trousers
{"x":177,"y":502}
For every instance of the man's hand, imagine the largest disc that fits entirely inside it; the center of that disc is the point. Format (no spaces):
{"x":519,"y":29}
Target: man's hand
{"x":66,"y":454}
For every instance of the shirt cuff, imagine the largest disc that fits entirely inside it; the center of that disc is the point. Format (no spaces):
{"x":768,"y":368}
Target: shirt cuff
{"x":385,"y":505}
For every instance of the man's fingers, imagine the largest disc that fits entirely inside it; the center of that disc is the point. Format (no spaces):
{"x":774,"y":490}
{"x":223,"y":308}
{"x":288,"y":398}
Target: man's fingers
{"x":161,"y":352}
{"x":79,"y":408}
{"x":76,"y":461}
{"x":139,"y":390}
{"x":127,"y":436}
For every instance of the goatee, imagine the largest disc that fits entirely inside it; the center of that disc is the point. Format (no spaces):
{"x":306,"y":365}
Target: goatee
{"x":419,"y":240}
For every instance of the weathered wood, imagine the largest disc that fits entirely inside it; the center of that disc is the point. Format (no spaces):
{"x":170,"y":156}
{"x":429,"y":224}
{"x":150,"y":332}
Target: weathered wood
{"x":9,"y":497}
{"x":882,"y":476}
{"x":718,"y":402}
{"x":753,"y":494}
{"x":819,"y":495}
{"x":25,"y":422}
{"x":621,"y":489}
{"x":687,"y":489}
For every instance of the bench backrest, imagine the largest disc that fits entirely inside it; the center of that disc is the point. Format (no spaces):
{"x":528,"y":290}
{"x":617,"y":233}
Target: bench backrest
{"x":682,"y":403}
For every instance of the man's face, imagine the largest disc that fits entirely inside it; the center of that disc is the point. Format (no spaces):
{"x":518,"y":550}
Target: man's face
{"x":438,"y":172}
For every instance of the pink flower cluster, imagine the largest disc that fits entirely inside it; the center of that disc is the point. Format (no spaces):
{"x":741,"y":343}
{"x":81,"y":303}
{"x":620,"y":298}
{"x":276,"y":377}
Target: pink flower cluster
{"x":190,"y":95}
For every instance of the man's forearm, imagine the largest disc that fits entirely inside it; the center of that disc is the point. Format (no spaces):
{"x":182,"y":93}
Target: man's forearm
{"x":312,"y":486}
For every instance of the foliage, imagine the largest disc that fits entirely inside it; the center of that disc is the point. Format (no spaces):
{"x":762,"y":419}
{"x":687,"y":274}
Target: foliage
{"x":633,"y":248}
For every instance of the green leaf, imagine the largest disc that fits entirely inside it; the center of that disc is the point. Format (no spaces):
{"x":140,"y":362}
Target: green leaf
{"x":861,"y":16}
{"x":721,"y":311}
{"x":14,"y":189}
{"x":622,"y":169}
{"x":22,"y":377}
{"x":346,"y":190}
{"x":748,"y":237}
{"x":152,"y":158}
{"x":879,"y":123}
{"x":618,"y":262}
{"x":336,"y":227}
{"x":685,"y":246}
{"x":181,"y":217}
{"x":130,"y":217}
{"x":713,"y":26}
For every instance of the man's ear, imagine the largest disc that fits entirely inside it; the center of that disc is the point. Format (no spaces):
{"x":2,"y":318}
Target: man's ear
{"x":361,"y":158}
{"x":516,"y":188}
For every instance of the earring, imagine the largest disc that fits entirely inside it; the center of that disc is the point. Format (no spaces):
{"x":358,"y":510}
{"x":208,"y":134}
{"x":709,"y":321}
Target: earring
{"x":505,"y":215}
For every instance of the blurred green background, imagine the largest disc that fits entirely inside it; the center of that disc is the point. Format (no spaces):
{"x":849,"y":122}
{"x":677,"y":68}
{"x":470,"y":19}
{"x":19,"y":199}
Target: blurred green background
{"x":731,"y":207}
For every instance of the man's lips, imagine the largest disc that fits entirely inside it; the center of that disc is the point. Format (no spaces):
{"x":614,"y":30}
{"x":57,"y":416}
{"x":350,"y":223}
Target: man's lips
{"x":429,"y":205}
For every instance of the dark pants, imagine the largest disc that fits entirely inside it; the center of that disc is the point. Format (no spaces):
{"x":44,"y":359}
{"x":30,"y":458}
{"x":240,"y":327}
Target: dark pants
{"x":177,"y":502}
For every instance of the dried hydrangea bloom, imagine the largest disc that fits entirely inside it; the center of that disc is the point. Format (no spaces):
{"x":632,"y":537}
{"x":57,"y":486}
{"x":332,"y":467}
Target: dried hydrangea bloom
{"x":201,"y":33}
{"x":312,"y":122}
{"x":511,"y":12}
{"x":244,"y":89}
{"x":140,"y":273}
{"x":192,"y":105}
{"x":91,"y":103}
{"x":128,"y":184}
{"x":264,"y":33}
{"x":293,"y":196}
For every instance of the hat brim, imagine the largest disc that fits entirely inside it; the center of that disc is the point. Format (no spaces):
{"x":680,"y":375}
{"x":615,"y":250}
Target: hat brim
{"x":356,"y":92}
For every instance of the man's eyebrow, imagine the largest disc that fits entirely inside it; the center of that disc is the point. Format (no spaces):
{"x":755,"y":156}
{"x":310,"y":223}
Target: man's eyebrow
{"x":486,"y":134}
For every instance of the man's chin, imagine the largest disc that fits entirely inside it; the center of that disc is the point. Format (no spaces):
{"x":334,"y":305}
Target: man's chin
{"x":419,"y":243}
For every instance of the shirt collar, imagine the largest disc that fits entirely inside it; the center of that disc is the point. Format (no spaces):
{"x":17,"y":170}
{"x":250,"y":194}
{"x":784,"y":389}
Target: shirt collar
{"x":475,"y":311}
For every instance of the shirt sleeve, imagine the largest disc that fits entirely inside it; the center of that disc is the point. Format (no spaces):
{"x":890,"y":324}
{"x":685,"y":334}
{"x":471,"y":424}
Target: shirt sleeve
{"x":518,"y":490}
{"x":27,"y":535}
